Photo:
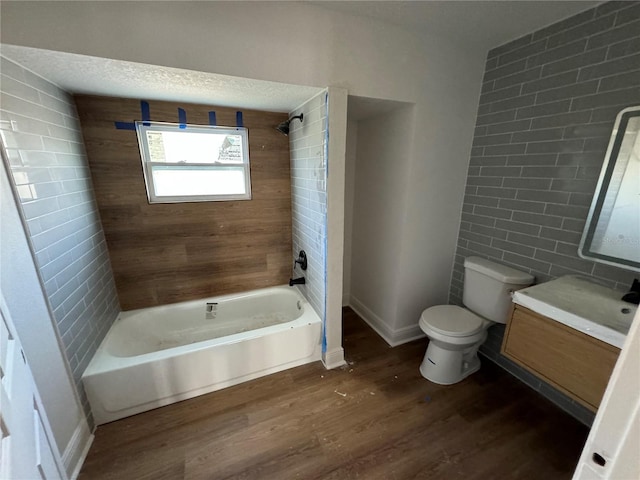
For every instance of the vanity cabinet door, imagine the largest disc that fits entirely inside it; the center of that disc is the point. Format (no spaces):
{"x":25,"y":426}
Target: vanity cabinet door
{"x":575,"y":363}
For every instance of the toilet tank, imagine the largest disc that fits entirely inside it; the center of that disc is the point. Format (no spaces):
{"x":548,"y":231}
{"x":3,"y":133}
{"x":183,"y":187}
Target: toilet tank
{"x":488,"y":286}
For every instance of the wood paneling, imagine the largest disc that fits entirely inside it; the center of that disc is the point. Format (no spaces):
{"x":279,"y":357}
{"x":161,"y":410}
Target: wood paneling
{"x":376,"y":418}
{"x":166,"y":253}
{"x":575,"y":363}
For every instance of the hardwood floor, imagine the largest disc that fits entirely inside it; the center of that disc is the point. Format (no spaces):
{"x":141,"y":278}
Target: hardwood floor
{"x":376,"y":418}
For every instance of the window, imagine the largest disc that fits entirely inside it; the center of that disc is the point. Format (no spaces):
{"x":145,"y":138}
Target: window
{"x":194,"y":163}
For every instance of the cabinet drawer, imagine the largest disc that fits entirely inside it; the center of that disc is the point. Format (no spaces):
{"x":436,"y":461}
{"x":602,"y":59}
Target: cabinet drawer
{"x":575,"y":363}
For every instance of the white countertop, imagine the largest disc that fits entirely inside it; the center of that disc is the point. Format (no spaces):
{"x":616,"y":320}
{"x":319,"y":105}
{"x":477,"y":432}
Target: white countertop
{"x":583,"y":305}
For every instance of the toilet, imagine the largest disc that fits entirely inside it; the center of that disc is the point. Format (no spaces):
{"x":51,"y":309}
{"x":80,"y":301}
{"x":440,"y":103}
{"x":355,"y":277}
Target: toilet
{"x":455,"y":333}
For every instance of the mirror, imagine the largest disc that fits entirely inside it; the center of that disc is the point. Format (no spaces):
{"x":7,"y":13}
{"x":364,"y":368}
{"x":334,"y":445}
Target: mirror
{"x":612,"y":232}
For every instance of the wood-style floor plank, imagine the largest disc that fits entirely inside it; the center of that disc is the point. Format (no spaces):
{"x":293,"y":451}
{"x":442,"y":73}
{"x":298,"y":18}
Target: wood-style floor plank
{"x":376,"y":418}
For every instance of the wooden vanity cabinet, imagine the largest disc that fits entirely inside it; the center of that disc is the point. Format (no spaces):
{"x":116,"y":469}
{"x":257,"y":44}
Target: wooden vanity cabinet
{"x":573,"y":362}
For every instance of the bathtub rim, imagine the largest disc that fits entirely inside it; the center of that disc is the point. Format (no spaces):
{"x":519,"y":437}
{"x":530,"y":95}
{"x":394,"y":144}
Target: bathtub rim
{"x":220,"y":298}
{"x":102,"y":361}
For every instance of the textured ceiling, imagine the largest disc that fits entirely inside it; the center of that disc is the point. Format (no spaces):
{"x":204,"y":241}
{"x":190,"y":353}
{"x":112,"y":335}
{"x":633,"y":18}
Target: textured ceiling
{"x":102,"y":76}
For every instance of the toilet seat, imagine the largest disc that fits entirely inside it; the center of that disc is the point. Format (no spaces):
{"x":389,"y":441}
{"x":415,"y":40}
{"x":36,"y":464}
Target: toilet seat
{"x":451,"y":320}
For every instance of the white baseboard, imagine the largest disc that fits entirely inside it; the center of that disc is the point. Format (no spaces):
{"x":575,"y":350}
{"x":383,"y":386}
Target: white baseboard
{"x":407,"y":334}
{"x":346,"y":299}
{"x":334,"y":358}
{"x":77,"y":449}
{"x":392,"y":337}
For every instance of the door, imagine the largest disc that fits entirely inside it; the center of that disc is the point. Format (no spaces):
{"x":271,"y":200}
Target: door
{"x":26,"y":451}
{"x":611,"y":451}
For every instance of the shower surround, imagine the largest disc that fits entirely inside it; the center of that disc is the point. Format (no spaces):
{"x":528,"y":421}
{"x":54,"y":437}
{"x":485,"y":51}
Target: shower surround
{"x":50,"y":173}
{"x":171,"y":252}
{"x":309,"y":196}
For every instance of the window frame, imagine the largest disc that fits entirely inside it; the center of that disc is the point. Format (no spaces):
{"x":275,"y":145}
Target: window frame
{"x":147,"y":165}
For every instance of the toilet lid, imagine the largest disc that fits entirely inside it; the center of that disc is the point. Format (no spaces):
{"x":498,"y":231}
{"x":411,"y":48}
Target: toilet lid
{"x":452,"y":320}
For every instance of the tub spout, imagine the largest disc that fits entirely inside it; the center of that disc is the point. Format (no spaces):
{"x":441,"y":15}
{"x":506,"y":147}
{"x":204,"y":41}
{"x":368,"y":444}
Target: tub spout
{"x":296,"y":281}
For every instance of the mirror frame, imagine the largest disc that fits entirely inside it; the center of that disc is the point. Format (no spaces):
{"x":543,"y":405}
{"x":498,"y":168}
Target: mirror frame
{"x":585,"y":249}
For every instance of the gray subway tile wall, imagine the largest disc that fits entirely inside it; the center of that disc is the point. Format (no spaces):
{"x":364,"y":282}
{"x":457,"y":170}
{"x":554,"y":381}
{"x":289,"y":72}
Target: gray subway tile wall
{"x":309,"y":196}
{"x":49,"y":168}
{"x":546,"y":111}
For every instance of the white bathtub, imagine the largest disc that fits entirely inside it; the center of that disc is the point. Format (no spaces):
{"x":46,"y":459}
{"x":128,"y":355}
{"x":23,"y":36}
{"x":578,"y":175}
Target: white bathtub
{"x":161,"y":355}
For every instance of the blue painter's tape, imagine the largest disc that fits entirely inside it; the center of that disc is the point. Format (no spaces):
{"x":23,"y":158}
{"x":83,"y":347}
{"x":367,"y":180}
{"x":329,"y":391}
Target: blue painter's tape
{"x":239,"y":119}
{"x":182,"y":118}
{"x":212,"y":119}
{"x":145,"y":112}
{"x":125,"y":125}
{"x":324,"y":337}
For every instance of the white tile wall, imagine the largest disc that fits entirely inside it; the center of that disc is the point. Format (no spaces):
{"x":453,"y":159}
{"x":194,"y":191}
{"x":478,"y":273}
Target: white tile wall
{"x":309,"y":196}
{"x":41,"y":133}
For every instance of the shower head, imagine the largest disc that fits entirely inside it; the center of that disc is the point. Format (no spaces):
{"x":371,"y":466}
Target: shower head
{"x":283,"y":128}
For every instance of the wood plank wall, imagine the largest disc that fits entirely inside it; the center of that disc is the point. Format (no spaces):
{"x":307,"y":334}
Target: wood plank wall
{"x":167,"y":253}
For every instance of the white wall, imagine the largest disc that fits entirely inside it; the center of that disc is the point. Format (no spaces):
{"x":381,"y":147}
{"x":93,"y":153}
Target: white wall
{"x":303,"y":44}
{"x":25,"y":299}
{"x":380,"y":201}
{"x":336,"y":146}
{"x":382,"y":170}
{"x":349,"y":198}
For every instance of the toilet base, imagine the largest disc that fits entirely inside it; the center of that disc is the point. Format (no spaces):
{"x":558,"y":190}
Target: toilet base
{"x":446,"y":367}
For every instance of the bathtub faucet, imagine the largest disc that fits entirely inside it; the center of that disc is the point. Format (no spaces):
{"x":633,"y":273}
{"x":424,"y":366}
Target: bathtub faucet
{"x":210,"y":310}
{"x":211,"y":306}
{"x":296,"y":281}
